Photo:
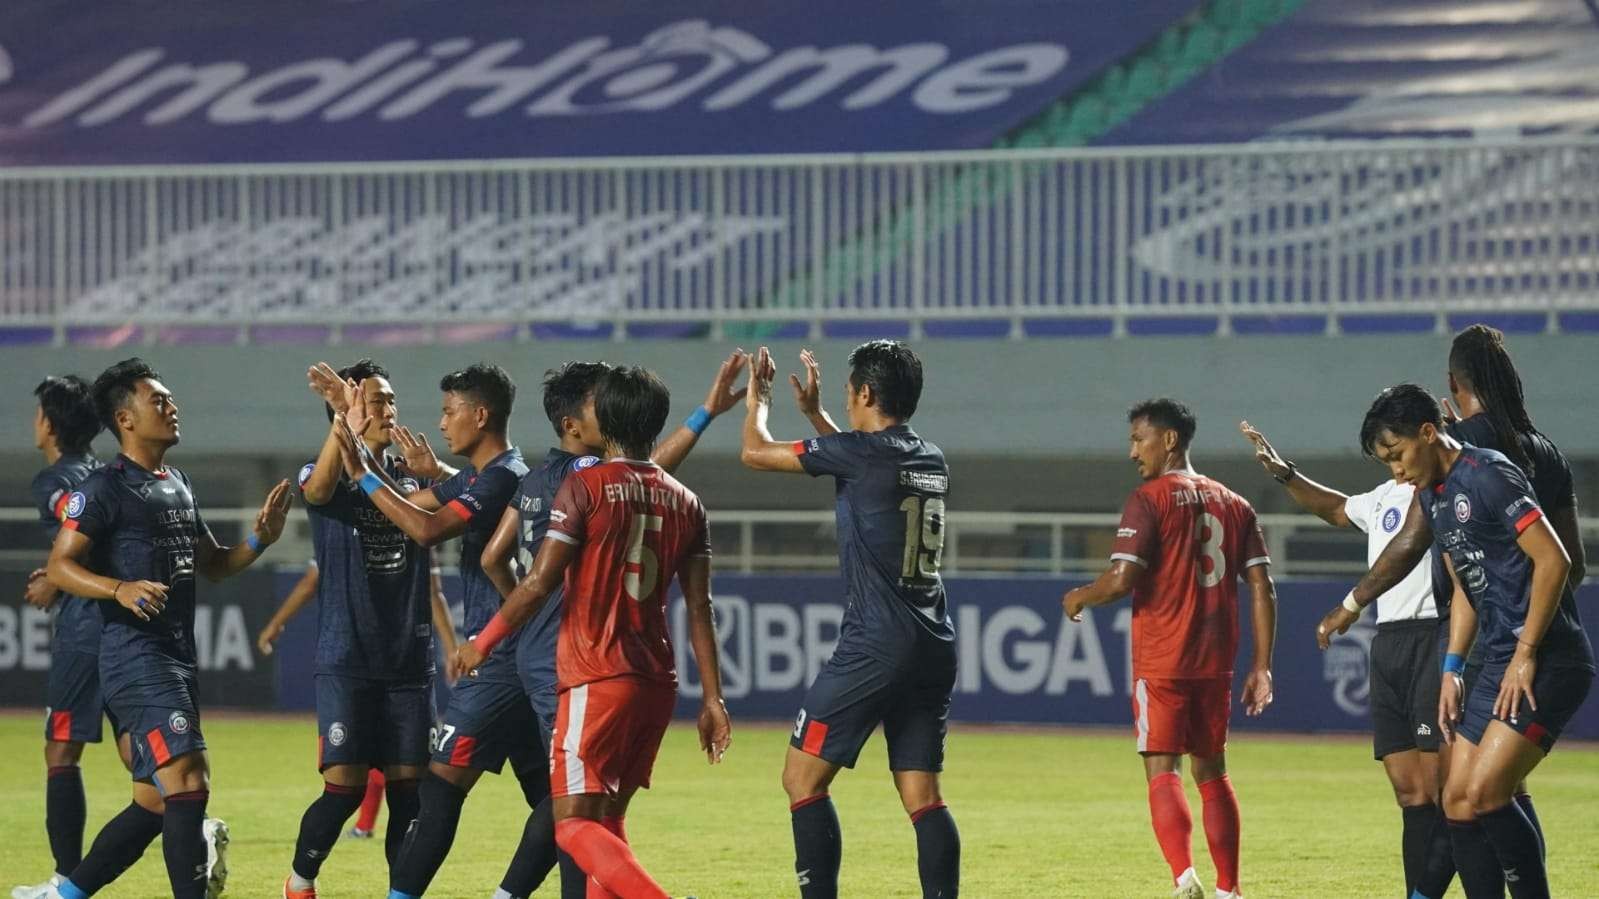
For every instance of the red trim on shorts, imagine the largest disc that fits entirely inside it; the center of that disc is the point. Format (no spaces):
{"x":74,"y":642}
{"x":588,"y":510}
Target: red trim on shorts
{"x":61,"y":726}
{"x":460,"y":509}
{"x":1536,"y":733}
{"x":808,"y":800}
{"x":461,"y":752}
{"x":815,"y":736}
{"x":917,"y":815}
{"x":158,"y":747}
{"x":799,"y":447}
{"x":1527,"y":520}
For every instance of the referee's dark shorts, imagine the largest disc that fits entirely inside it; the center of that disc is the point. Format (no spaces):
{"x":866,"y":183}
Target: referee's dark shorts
{"x":1406,"y":667}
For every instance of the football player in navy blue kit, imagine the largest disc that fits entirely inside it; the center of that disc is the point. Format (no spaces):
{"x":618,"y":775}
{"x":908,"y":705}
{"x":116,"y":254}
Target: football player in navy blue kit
{"x":1512,"y":598}
{"x":895,"y":659}
{"x":569,"y":405}
{"x":64,"y":424}
{"x":488,"y":720}
{"x":375,"y":651}
{"x":133,"y":535}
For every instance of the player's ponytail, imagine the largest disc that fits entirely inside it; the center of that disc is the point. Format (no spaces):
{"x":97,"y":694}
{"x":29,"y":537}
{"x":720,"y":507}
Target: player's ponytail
{"x":1479,"y":357}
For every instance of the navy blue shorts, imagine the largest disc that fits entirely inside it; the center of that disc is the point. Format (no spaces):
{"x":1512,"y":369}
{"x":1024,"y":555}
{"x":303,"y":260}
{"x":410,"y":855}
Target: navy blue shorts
{"x":161,"y":718}
{"x":855,"y":692}
{"x":1559,"y":689}
{"x":372,"y":723}
{"x":74,"y":701}
{"x":486,"y":723}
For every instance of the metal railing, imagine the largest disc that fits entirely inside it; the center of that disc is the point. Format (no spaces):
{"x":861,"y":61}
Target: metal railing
{"x":1330,"y":228}
{"x":974,"y":542}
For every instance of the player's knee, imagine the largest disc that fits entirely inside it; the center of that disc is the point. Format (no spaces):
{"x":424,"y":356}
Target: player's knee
{"x":801,"y":784}
{"x":1483,"y":794}
{"x":62,"y":753}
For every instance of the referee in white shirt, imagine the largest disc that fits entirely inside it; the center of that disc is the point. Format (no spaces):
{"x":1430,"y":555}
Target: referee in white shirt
{"x":1406,"y":661}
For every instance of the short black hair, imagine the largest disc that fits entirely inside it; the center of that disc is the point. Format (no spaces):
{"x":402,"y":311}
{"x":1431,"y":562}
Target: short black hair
{"x":567,"y":387}
{"x":631,"y":404}
{"x":1165,"y":412}
{"x":1401,"y":409}
{"x":893,"y":371}
{"x":490,"y":386}
{"x":359,"y":371}
{"x":116,"y":385}
{"x":69,"y":408}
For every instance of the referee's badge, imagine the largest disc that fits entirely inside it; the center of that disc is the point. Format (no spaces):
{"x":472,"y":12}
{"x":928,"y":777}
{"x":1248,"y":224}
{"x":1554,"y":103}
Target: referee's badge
{"x":1390,"y":520}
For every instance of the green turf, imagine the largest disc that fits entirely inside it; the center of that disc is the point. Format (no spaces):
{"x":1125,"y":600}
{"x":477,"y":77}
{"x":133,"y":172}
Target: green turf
{"x":1047,"y":813}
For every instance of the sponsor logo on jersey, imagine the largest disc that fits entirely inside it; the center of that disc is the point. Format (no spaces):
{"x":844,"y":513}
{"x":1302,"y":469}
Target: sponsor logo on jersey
{"x":1126,"y":532}
{"x":76,"y":504}
{"x":1390,"y":519}
{"x":337,"y":733}
{"x":178,"y":723}
{"x":557,"y":516}
{"x":1462,"y":508}
{"x":1521,"y":505}
{"x":586,"y":462}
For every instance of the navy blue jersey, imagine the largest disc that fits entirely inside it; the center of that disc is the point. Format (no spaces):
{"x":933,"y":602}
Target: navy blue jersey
{"x":891,"y":487}
{"x":1481,"y":508}
{"x":1551,"y":473}
{"x":144,"y":526}
{"x":481,"y":498}
{"x":374,"y":615}
{"x":532,"y":501}
{"x":76,"y":621}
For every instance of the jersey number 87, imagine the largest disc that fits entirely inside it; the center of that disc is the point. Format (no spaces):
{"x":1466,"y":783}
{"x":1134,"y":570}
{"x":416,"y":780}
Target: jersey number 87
{"x":924,"y":538}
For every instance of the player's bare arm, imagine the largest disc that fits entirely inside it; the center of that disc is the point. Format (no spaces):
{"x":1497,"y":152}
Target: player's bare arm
{"x":299,"y":597}
{"x":501,"y":549}
{"x":524,"y":601}
{"x":443,"y":625}
{"x":808,"y":395}
{"x":1263,"y":609}
{"x":144,"y":599}
{"x":759,"y":450}
{"x":428,"y":528}
{"x":1462,"y":633}
{"x":1550,"y":567}
{"x":217,"y":562}
{"x":1319,"y":500}
{"x":1406,"y":551}
{"x":716,"y":729}
{"x":1114,"y":584}
{"x":1564,"y":521}
{"x":722,"y":396}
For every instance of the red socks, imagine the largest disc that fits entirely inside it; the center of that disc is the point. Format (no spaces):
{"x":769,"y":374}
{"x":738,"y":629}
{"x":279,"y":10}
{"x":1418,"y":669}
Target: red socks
{"x":368,"y":818}
{"x":1174,"y":825}
{"x":1222,"y":828}
{"x":607,"y":859}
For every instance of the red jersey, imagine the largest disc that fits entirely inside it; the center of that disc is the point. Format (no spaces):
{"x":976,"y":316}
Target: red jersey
{"x":1194,"y":538}
{"x":634,"y":525}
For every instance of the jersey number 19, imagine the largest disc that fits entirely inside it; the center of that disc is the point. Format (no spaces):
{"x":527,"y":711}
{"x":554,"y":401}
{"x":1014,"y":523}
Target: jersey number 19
{"x":924,"y":538}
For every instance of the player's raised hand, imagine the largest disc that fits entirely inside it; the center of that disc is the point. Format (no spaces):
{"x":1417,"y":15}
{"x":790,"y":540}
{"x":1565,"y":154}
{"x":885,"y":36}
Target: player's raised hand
{"x":1451,"y":692}
{"x":1257,"y":691}
{"x":1265,"y":453}
{"x":762,"y":370}
{"x":723,"y":395}
{"x":40,"y":593}
{"x":274,"y":513}
{"x":716,"y":730}
{"x":144,"y":599}
{"x":1338,"y":621}
{"x":356,"y":415}
{"x":1451,"y":414}
{"x":349,"y":449}
{"x":1516,"y":684}
{"x":418,"y":457}
{"x":340,"y":393}
{"x":808,"y":395}
{"x":466,"y":660}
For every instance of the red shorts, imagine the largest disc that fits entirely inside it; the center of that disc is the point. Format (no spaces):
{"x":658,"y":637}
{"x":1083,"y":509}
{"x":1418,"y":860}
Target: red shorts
{"x":1187,"y":716}
{"x":606,"y":735}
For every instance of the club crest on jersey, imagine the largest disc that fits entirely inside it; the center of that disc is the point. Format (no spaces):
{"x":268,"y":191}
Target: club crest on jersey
{"x":586,"y":462}
{"x":305,"y":472}
{"x":1462,"y":508}
{"x":1390,"y":520}
{"x":337,"y":733}
{"x":76,"y":504}
{"x":178,"y":723}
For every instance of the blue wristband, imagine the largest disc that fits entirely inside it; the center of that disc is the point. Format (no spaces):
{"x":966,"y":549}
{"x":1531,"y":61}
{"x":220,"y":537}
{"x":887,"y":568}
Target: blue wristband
{"x":1454,"y":663}
{"x":255,"y":544}
{"x":371,"y":483}
{"x":699,"y":421}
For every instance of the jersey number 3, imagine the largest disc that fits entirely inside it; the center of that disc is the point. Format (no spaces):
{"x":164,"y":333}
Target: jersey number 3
{"x":924,"y":538}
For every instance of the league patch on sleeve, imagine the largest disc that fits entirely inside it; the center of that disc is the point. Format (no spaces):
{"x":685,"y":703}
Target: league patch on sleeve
{"x":305,"y":473}
{"x":76,"y":504}
{"x":586,"y":462}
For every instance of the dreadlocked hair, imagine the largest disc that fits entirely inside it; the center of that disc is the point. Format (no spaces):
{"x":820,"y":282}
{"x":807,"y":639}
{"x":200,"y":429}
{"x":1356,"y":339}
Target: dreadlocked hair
{"x":1479,"y":357}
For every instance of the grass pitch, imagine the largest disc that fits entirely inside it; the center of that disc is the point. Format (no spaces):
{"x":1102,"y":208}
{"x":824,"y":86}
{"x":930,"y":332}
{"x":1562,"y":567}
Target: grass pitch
{"x":1041,"y":813}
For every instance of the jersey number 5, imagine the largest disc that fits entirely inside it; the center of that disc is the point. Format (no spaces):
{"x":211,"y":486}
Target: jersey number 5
{"x":643,"y":567}
{"x":924,"y":537}
{"x":1210,"y":547}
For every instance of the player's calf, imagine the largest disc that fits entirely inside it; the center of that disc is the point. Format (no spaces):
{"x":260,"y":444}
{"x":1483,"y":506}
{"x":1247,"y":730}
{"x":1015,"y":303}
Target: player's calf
{"x":319,"y":830}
